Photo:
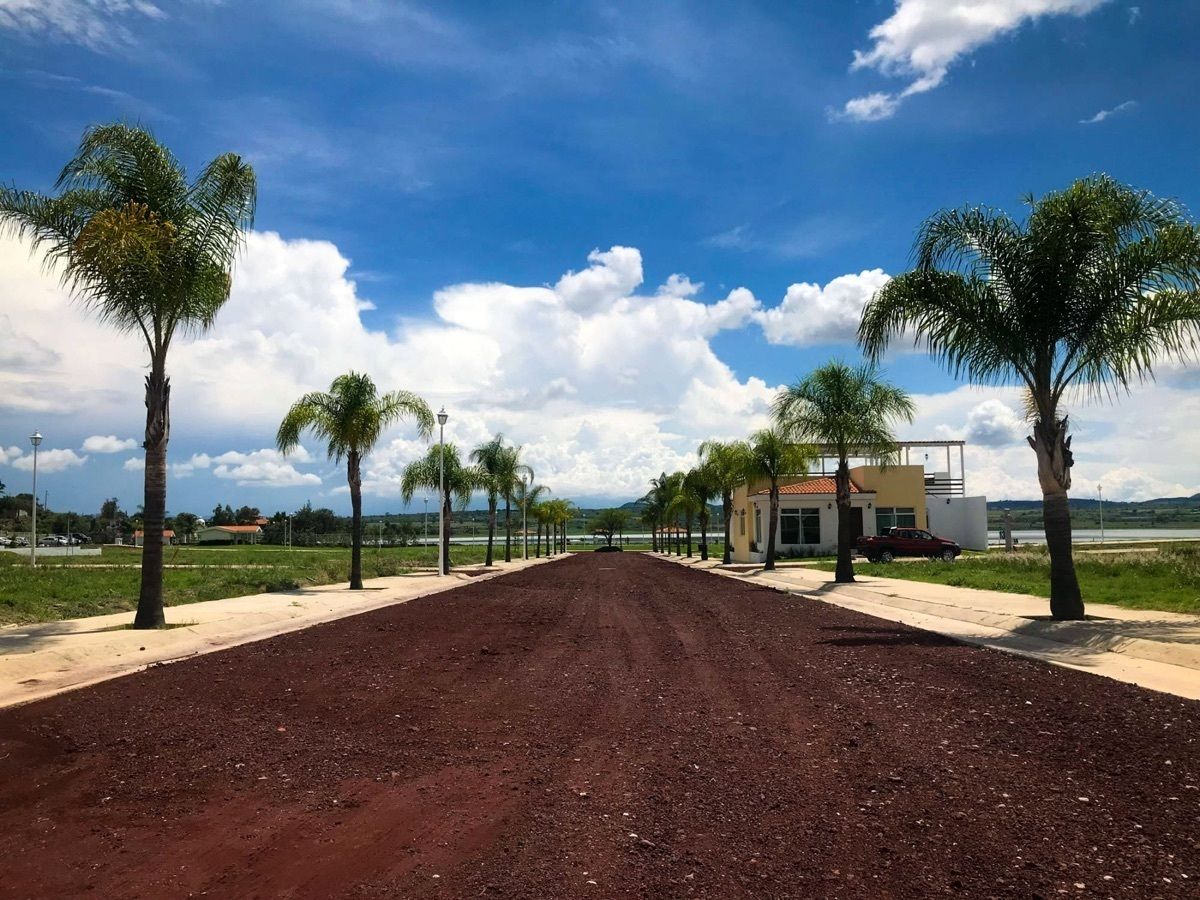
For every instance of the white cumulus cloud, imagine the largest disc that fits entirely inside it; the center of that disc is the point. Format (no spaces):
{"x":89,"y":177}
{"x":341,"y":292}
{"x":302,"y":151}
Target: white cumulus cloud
{"x":107,"y":443}
{"x":922,"y":39}
{"x":49,"y":460}
{"x":812,"y":314}
{"x":993,"y":423}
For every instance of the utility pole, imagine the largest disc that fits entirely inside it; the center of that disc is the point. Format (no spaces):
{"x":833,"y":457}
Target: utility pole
{"x":1100,"y":494}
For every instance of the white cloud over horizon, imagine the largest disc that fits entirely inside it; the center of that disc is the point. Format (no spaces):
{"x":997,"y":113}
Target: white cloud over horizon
{"x":604,"y":384}
{"x":922,"y":39}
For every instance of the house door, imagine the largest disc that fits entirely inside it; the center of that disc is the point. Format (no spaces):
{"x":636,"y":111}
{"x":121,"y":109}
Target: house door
{"x":856,"y":522}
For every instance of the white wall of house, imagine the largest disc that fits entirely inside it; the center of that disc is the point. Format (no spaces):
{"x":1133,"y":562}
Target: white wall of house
{"x":826,"y":508}
{"x":961,"y":519}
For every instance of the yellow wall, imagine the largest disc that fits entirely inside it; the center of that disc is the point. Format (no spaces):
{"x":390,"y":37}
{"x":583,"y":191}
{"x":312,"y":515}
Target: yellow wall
{"x":895,"y":486}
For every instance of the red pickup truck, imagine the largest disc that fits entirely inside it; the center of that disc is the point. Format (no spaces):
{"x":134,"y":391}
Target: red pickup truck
{"x":906,"y":542}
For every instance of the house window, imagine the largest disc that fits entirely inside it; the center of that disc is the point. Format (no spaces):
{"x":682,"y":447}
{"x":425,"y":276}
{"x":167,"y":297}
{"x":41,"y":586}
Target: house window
{"x":757,"y":525}
{"x":742,"y":522}
{"x":894,"y":517}
{"x":810,"y":526}
{"x":789,"y":525}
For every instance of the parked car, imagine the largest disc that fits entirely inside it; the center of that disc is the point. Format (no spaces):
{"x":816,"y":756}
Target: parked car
{"x":907,"y":542}
{"x":51,"y":540}
{"x":77,"y":538}
{"x":20,"y":541}
{"x":4,"y":541}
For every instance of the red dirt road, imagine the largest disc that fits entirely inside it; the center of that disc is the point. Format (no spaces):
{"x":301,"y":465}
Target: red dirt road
{"x":605,"y":726}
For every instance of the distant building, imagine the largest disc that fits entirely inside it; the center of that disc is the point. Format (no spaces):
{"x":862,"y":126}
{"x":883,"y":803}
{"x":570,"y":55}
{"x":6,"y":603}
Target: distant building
{"x":881,"y":497}
{"x":139,"y":537}
{"x":228,"y":534}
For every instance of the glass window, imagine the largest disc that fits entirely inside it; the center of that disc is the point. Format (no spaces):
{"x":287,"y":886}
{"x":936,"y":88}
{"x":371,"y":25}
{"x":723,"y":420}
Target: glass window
{"x":810,"y":525}
{"x":757,"y":525}
{"x":742,"y":522}
{"x":894,"y":517}
{"x":789,"y":525}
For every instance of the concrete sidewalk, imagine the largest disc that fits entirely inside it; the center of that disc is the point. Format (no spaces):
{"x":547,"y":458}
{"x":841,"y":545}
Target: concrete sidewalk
{"x":48,"y":658}
{"x":1156,"y":650}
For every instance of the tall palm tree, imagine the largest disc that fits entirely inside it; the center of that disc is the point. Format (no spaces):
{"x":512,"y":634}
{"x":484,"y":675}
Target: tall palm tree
{"x":510,"y":475}
{"x":527,"y":496}
{"x":488,"y":456}
{"x":774,"y":455}
{"x":700,"y":482}
{"x":1099,"y":283}
{"x":461,"y":481}
{"x":541,"y":514}
{"x":685,"y":505}
{"x":851,"y":411}
{"x":669,"y":488}
{"x":726,"y":463}
{"x":149,"y":253}
{"x":655,"y":513}
{"x":350,"y":418}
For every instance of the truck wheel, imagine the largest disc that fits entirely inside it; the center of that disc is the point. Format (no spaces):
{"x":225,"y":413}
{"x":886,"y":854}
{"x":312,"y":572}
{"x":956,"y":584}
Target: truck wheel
{"x":948,"y":555}
{"x":886,"y":556}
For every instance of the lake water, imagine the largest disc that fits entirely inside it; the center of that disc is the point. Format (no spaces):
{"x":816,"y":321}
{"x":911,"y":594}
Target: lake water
{"x":1111,"y":535}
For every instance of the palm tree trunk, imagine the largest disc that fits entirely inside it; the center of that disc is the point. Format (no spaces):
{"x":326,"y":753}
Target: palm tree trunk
{"x":727,"y":508}
{"x":689,"y":537}
{"x":354,"y":477}
{"x":772,"y":526}
{"x":704,"y":534}
{"x":491,"y":530}
{"x":1053,"y":448}
{"x":507,"y":529}
{"x":844,"y":573}
{"x":537,"y":546}
{"x":158,"y":433}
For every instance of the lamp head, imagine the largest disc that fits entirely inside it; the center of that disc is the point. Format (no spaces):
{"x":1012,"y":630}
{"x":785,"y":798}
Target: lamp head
{"x":441,"y":416}
{"x":35,"y":439}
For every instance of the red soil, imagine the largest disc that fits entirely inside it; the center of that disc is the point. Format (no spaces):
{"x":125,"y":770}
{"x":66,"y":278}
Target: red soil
{"x":606,"y":726}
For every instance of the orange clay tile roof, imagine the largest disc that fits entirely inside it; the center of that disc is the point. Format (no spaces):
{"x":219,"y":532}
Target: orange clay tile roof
{"x":167,"y":532}
{"x":814,"y":486}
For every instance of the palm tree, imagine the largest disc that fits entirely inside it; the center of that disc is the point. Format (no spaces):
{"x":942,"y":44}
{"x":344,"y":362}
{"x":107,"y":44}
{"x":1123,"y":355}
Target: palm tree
{"x":772,"y":456}
{"x":655,"y":512}
{"x":726,"y":463}
{"x":541,"y":514}
{"x":509,"y":476}
{"x":685,"y":505}
{"x":1096,"y":286}
{"x":850,"y":411}
{"x":527,"y":495}
{"x":488,"y":457}
{"x":460,"y":483}
{"x":350,"y":419}
{"x":668,"y":489}
{"x":149,"y":254}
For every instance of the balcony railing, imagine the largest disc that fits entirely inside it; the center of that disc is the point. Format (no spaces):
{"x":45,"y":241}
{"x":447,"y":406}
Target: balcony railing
{"x":944,"y":487}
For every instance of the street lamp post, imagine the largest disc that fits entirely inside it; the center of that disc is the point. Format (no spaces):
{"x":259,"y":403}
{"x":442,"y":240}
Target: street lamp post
{"x":524,"y":519}
{"x":425,"y":521}
{"x":443,"y":567}
{"x":1100,"y":494}
{"x":36,"y":440}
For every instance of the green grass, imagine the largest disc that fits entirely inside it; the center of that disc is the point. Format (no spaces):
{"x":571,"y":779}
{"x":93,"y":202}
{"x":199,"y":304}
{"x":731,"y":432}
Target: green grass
{"x":69,"y":588}
{"x":1168,"y":580}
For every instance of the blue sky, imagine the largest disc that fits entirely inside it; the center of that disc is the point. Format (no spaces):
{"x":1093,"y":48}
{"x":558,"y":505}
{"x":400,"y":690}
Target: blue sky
{"x":499,"y":144}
